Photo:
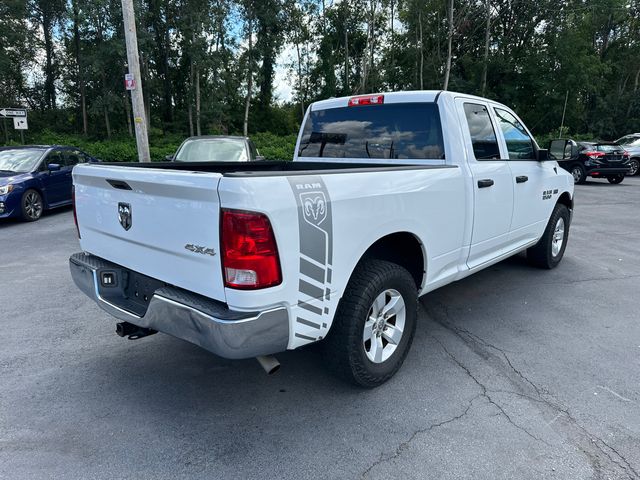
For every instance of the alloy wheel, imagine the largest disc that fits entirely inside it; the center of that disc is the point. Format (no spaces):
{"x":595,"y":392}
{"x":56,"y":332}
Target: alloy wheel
{"x":558,"y":237}
{"x":33,"y":205}
{"x":384,"y":327}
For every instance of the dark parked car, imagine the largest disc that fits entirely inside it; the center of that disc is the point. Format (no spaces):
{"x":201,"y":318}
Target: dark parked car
{"x":36,"y":178}
{"x":631,"y":144}
{"x":591,"y":159}
{"x":216,"y":148}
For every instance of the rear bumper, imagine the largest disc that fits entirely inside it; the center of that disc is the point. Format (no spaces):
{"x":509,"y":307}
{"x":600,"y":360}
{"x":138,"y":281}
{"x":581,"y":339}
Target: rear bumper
{"x":189,"y":316}
{"x":604,"y":172}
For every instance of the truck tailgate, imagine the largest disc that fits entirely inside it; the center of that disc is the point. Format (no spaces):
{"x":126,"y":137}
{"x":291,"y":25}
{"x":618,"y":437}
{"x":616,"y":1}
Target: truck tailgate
{"x":161,"y":223}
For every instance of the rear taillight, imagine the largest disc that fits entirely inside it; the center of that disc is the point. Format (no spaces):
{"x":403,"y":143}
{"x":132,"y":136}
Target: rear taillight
{"x":366,"y":100}
{"x":75,"y":215}
{"x":249,"y":251}
{"x":594,"y":154}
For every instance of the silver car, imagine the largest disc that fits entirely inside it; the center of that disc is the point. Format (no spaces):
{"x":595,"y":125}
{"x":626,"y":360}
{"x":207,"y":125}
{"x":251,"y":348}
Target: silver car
{"x":631,"y":144}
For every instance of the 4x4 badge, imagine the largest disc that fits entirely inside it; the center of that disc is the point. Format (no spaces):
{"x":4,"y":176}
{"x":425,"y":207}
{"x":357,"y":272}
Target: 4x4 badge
{"x":124,"y":215}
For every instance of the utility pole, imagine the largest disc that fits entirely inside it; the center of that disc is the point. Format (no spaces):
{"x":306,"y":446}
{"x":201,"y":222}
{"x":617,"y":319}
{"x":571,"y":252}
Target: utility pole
{"x":564,"y":110}
{"x":137,"y":100}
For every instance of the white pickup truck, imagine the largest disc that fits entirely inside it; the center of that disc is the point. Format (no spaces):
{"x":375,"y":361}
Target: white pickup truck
{"x":389,"y":196}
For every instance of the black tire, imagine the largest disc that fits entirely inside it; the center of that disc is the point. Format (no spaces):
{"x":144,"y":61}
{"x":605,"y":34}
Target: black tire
{"x":32,"y":206}
{"x":615,"y":179}
{"x":634,"y":167}
{"x":542,"y":255}
{"x":344,"y":348}
{"x":579,"y":174}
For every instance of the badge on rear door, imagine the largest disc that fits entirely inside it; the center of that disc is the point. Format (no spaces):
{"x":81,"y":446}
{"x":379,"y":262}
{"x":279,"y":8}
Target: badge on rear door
{"x":124,"y":215}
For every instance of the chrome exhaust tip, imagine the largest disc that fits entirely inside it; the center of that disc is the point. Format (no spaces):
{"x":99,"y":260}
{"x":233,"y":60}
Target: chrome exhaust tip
{"x":269,"y":363}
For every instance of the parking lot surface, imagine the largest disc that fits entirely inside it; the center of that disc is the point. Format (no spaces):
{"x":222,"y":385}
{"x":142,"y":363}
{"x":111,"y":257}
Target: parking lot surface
{"x":514,"y":373}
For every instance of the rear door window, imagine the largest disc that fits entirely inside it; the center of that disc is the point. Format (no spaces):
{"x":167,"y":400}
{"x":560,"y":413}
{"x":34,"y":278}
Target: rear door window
{"x":403,"y":131}
{"x":483,"y":136}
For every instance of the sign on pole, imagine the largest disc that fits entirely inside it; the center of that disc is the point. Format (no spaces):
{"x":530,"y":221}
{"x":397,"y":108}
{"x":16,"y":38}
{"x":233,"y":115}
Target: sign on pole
{"x":129,"y":81}
{"x":14,"y":112}
{"x":20,"y":123}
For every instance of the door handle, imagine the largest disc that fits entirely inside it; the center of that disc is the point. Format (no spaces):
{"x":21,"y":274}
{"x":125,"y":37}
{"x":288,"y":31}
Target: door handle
{"x":521,"y":178}
{"x":484,"y":183}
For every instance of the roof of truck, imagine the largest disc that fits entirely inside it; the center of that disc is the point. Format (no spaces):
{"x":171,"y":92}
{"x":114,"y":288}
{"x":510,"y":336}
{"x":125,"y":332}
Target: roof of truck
{"x":396,"y":97}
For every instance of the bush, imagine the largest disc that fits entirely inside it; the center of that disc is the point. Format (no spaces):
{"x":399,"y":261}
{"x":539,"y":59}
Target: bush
{"x":274,"y":147}
{"x":123,"y":149}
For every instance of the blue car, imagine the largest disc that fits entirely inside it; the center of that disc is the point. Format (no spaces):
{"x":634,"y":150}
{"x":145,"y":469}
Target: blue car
{"x":36,"y":178}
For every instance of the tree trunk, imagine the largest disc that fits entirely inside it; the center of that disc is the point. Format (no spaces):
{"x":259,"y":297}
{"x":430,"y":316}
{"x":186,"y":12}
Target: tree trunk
{"x":198,"y":122}
{"x":49,"y":82}
{"x":346,"y":60}
{"x":447,"y":72}
{"x":189,"y":106}
{"x":487,"y":40}
{"x":421,"y":50}
{"x":373,"y":39}
{"x":80,"y":74}
{"x":247,"y":102}
{"x":107,"y":123}
{"x":391,"y":74}
{"x":300,"y":84}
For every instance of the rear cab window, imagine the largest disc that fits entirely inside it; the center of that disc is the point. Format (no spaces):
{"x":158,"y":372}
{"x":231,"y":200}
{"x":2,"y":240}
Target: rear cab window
{"x":402,"y":131}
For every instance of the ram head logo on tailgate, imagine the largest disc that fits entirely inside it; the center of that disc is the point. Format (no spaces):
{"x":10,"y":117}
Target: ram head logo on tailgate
{"x":314,"y":206}
{"x":124,"y":215}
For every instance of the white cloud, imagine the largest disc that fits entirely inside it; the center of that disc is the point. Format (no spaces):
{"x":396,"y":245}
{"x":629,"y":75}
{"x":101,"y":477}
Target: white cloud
{"x":284,"y":78}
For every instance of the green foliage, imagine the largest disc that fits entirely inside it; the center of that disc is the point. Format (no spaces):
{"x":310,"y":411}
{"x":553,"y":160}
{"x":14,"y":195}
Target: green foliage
{"x":123,"y":149}
{"x":56,"y":56}
{"x":274,"y":147}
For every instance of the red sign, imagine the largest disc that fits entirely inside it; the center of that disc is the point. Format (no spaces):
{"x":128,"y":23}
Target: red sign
{"x":129,"y":81}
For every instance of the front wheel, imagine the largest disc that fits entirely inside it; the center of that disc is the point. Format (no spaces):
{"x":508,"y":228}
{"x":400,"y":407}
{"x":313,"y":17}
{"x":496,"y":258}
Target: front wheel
{"x":615,"y":178}
{"x":32,"y":206}
{"x":634,"y":167}
{"x":374,"y":324}
{"x":548,"y":252}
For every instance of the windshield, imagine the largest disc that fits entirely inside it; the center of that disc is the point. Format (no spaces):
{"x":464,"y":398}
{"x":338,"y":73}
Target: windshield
{"x":629,"y":140}
{"x":212,"y":150}
{"x":20,"y":160}
{"x":391,"y":131}
{"x":608,"y":148}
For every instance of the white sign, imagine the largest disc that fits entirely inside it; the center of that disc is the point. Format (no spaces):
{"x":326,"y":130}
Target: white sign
{"x":129,"y":81}
{"x":13,"y":112}
{"x":20,"y":123}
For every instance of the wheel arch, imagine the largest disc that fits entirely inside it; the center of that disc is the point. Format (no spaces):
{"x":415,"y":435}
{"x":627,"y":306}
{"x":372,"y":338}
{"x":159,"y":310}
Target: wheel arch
{"x":403,"y":248}
{"x":566,"y":199}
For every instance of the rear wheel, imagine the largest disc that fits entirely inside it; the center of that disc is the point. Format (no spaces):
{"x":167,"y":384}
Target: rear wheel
{"x":579,"y":174}
{"x":548,"y":252}
{"x":31,"y":206}
{"x":615,"y":178}
{"x":634,"y":166}
{"x":374,"y":324}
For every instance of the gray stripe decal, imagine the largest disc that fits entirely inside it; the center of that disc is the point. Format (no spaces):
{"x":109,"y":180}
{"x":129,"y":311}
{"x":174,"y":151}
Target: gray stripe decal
{"x":311,"y":308}
{"x":309,"y":290}
{"x":299,"y":335}
{"x":315,"y":227}
{"x":312,"y":271}
{"x":308,"y":323}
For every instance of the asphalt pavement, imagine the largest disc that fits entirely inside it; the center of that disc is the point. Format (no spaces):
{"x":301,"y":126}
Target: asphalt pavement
{"x":514,"y":373}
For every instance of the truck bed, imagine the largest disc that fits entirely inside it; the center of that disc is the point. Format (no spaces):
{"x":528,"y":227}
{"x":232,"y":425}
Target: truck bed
{"x":273,"y":168}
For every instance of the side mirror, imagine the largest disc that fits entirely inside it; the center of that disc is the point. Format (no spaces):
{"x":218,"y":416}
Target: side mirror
{"x":53,"y":167}
{"x":558,"y":150}
{"x":260,"y":157}
{"x":169,"y":158}
{"x":543,"y":155}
